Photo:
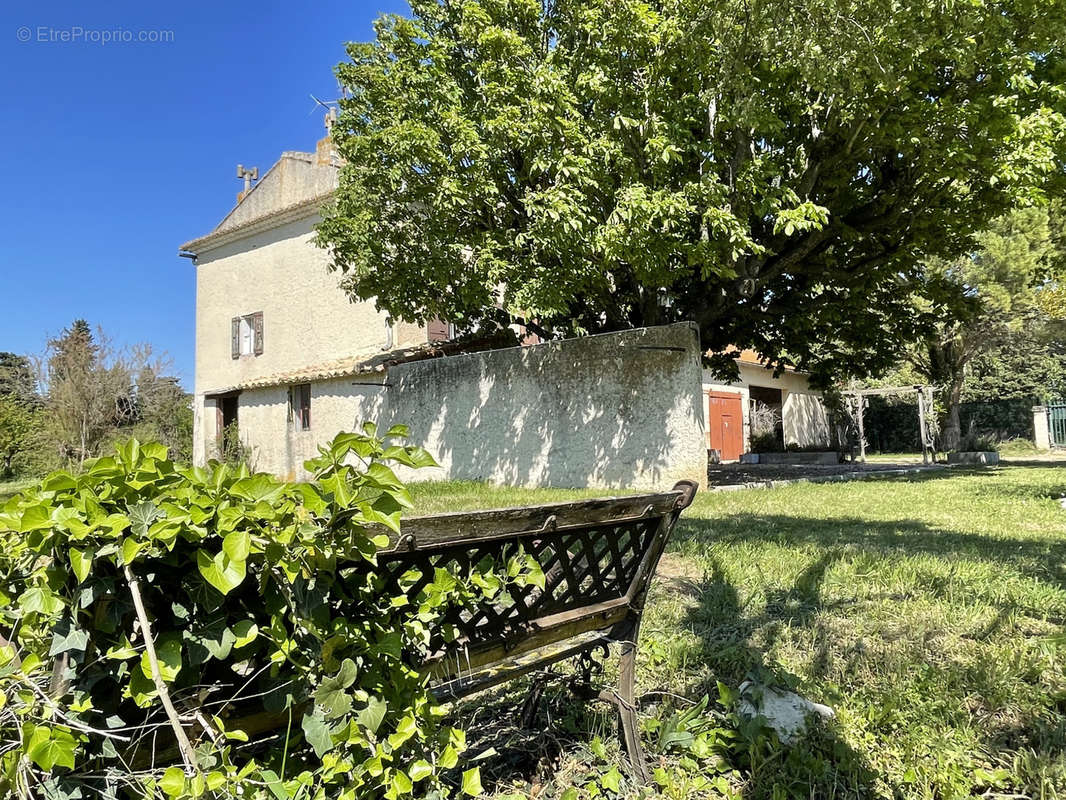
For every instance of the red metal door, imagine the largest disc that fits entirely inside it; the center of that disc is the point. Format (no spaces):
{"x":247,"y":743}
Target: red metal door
{"x":725,"y":424}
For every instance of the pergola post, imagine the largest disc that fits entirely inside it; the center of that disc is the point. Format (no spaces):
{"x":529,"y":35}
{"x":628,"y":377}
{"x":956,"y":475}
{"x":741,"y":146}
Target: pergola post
{"x":860,"y":402}
{"x":925,"y":407}
{"x":922,"y":430}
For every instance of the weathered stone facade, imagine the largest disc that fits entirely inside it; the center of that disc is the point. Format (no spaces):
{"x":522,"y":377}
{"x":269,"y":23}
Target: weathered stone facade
{"x":261,"y":259}
{"x":616,"y":410}
{"x":620,"y":410}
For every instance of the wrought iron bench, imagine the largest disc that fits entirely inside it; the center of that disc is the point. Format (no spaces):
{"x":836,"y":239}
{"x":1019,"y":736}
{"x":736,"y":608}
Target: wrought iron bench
{"x":598,"y":558}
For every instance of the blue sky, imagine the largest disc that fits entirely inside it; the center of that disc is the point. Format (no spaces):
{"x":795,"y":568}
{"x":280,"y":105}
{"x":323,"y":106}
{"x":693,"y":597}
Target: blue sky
{"x":114,"y":153}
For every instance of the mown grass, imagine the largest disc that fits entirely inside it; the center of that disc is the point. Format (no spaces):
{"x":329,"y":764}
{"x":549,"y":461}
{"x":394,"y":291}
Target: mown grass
{"x":10,"y":488}
{"x":929,"y":613}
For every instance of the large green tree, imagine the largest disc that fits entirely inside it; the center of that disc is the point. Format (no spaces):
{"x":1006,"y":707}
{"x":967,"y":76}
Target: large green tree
{"x":776,"y":171}
{"x":96,"y":392}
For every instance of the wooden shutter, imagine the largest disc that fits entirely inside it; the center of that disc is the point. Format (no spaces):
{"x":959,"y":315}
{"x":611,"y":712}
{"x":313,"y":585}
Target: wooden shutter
{"x":257,"y":327}
{"x":305,"y":406}
{"x":235,"y":337}
{"x":436,"y":330}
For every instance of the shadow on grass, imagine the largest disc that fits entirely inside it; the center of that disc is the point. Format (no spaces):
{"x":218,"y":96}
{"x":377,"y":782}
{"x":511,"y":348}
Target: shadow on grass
{"x":735,"y":638}
{"x":822,"y":764}
{"x":1040,"y":559}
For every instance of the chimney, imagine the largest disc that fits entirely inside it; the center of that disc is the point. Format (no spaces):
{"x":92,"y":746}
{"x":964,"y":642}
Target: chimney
{"x":325,"y":152}
{"x":248,"y":175}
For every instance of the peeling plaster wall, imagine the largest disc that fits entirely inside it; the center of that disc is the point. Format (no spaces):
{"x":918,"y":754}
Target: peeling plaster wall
{"x":610,"y":411}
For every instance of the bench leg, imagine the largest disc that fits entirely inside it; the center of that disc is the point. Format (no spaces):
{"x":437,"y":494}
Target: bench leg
{"x":625,"y":699}
{"x":528,"y":713}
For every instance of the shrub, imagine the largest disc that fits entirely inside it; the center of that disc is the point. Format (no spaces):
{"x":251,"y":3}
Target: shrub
{"x":765,"y":443}
{"x":181,"y":632}
{"x":977,"y":442}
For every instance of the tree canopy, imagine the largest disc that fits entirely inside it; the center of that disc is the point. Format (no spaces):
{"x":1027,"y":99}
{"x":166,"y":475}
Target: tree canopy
{"x":775,"y":171}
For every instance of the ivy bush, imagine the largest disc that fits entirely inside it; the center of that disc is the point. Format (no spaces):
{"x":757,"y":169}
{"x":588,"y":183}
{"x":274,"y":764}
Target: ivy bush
{"x":185,"y":632}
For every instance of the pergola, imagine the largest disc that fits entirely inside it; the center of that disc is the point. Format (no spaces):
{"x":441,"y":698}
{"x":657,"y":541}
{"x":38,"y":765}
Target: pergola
{"x":925,"y":407}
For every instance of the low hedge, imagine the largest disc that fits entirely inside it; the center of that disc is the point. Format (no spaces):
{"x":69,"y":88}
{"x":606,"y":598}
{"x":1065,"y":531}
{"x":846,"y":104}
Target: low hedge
{"x":187,"y":632}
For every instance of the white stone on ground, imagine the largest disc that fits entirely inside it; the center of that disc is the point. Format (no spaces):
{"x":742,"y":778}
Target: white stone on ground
{"x":786,"y":712}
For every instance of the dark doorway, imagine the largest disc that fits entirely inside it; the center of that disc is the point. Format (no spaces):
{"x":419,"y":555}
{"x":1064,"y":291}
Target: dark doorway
{"x":767,"y":418}
{"x":226,"y":435}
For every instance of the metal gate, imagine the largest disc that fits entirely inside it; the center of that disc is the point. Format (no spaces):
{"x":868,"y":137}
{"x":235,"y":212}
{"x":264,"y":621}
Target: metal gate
{"x":1056,"y":417}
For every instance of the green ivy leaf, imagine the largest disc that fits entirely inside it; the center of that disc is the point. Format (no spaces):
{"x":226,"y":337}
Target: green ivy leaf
{"x":67,"y":637}
{"x":401,"y":784}
{"x":50,"y":747}
{"x":331,"y":696}
{"x":316,"y":731}
{"x":244,"y":633}
{"x":612,"y":780}
{"x":258,"y":488}
{"x":141,"y":516}
{"x":237,"y":545}
{"x":372,"y":716}
{"x":168,"y":653}
{"x":420,"y":770}
{"x":81,"y":561}
{"x":41,"y":600}
{"x":173,"y":781}
{"x":130,"y":548}
{"x":472,"y":782}
{"x":220,"y":570}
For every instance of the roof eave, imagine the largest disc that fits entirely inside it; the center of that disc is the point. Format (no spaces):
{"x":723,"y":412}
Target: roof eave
{"x":272,"y":220}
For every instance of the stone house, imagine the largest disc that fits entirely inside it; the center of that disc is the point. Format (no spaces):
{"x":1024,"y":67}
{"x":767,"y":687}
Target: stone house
{"x":286,"y":360}
{"x":270,"y":318}
{"x":789,"y":398}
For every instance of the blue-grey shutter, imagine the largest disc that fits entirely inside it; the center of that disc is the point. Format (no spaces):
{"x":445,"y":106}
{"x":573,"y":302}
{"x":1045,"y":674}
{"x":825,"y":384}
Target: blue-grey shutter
{"x":235,"y":337}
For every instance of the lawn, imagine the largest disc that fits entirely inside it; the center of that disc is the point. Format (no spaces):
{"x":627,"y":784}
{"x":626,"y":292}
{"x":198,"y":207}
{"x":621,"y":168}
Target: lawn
{"x":8,"y":488}
{"x":929,"y":613}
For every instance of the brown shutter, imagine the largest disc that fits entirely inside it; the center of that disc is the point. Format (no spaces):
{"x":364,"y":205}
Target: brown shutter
{"x":235,"y":337}
{"x":257,"y":327}
{"x":436,"y":330}
{"x":305,"y":406}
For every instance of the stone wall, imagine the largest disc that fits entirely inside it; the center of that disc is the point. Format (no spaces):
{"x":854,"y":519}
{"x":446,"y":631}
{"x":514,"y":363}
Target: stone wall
{"x":609,"y":411}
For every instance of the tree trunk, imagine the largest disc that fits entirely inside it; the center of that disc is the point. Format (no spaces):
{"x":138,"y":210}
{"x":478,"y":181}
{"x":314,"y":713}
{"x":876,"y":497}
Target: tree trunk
{"x":951,"y":431}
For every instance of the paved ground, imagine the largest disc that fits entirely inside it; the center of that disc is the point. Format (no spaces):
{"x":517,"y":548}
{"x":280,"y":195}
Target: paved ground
{"x":739,"y":474}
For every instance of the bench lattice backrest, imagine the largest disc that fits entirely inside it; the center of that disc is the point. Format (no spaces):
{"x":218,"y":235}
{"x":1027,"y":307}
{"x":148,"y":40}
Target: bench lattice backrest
{"x":597,"y":556}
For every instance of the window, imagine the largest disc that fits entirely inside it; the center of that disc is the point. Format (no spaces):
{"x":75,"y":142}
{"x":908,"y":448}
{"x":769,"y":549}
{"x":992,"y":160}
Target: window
{"x":300,"y":406}
{"x":246,"y":335}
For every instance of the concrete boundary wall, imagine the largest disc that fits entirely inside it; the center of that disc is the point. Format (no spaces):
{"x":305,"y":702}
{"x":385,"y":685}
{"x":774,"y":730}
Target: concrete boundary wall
{"x":620,"y":410}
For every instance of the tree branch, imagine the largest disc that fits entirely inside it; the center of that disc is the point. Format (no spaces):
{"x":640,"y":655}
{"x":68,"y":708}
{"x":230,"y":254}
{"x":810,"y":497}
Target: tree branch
{"x":187,"y":753}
